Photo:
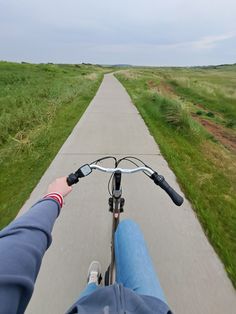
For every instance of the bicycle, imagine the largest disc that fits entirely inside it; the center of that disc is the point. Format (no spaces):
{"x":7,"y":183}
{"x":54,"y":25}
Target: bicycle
{"x":116,"y":201}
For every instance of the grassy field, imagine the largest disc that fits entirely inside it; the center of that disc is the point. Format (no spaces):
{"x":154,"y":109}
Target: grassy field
{"x":191,"y":113}
{"x":39,"y":106}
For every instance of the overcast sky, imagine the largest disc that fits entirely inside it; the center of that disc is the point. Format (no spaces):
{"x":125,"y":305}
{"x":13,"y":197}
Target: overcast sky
{"x":139,"y":32}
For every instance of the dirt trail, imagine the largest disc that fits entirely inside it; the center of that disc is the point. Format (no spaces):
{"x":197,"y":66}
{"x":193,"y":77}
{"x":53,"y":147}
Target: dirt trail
{"x":224,"y":136}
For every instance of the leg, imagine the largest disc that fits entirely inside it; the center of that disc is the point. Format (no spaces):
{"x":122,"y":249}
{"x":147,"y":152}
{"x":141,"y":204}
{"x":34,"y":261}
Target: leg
{"x":134,"y":268}
{"x":91,"y":287}
{"x":94,"y":278}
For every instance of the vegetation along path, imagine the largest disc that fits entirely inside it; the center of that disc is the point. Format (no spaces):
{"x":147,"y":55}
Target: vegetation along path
{"x":39,"y":106}
{"x":191,"y":113}
{"x":190,"y":272}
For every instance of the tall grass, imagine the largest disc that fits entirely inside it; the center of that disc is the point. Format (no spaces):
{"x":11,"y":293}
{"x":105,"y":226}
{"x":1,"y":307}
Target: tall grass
{"x":212,"y":89}
{"x":39,"y":106}
{"x":205,"y":170}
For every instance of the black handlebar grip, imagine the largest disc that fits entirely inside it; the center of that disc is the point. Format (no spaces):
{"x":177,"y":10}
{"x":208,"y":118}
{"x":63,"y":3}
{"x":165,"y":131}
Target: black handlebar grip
{"x":160,"y":180}
{"x":72,"y":179}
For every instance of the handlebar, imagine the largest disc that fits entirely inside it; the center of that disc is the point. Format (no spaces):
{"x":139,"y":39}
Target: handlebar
{"x":122,"y":170}
{"x":73,"y":178}
{"x":85,"y":170}
{"x":160,"y":180}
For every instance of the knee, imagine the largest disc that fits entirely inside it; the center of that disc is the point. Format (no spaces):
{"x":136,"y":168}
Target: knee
{"x":127,"y":226}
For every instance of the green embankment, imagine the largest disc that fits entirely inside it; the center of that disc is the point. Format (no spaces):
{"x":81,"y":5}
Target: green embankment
{"x":168,"y":100}
{"x":39,"y":106}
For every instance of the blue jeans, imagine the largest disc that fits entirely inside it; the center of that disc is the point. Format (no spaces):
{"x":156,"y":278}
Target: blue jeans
{"x":134,"y":268}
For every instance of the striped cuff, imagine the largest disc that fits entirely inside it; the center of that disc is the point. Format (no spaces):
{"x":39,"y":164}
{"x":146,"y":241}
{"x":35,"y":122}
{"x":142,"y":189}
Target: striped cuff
{"x":56,"y":196}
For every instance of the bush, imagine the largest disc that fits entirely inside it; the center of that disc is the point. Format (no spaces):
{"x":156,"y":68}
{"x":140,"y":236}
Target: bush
{"x":175,"y":114}
{"x":199,"y":113}
{"x":230,"y":124}
{"x":210,"y":114}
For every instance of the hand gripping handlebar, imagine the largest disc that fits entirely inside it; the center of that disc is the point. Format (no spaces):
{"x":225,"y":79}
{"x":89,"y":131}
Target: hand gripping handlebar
{"x":158,"y":179}
{"x":72,"y":179}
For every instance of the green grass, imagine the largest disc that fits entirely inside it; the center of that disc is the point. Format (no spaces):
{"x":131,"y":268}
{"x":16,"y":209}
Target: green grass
{"x":213,"y":89}
{"x":39,"y":106}
{"x":205,"y":169}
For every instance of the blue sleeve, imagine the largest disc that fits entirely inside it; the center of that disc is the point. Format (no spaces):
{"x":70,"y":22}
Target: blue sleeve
{"x":22,"y":246}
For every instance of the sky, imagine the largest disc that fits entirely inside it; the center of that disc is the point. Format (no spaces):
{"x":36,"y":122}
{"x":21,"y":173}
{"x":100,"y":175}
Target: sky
{"x":136,"y":32}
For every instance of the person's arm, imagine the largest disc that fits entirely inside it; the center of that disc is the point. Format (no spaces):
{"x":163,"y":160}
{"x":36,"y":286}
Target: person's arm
{"x":22,"y":246}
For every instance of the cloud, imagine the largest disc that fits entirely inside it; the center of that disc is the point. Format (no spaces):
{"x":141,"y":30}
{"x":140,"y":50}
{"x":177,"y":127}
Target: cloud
{"x":124,"y":31}
{"x":211,"y":41}
{"x":206,"y":42}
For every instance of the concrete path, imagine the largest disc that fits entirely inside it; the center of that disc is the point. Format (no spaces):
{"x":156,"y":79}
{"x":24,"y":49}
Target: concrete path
{"x":191,"y":274}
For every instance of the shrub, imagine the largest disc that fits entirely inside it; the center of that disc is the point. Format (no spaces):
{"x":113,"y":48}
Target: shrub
{"x":230,"y":124}
{"x":210,"y":114}
{"x":199,"y":113}
{"x":175,"y":114}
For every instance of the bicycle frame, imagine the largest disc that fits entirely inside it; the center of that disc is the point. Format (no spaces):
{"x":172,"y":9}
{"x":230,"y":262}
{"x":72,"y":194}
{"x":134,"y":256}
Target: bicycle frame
{"x":116,"y":202}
